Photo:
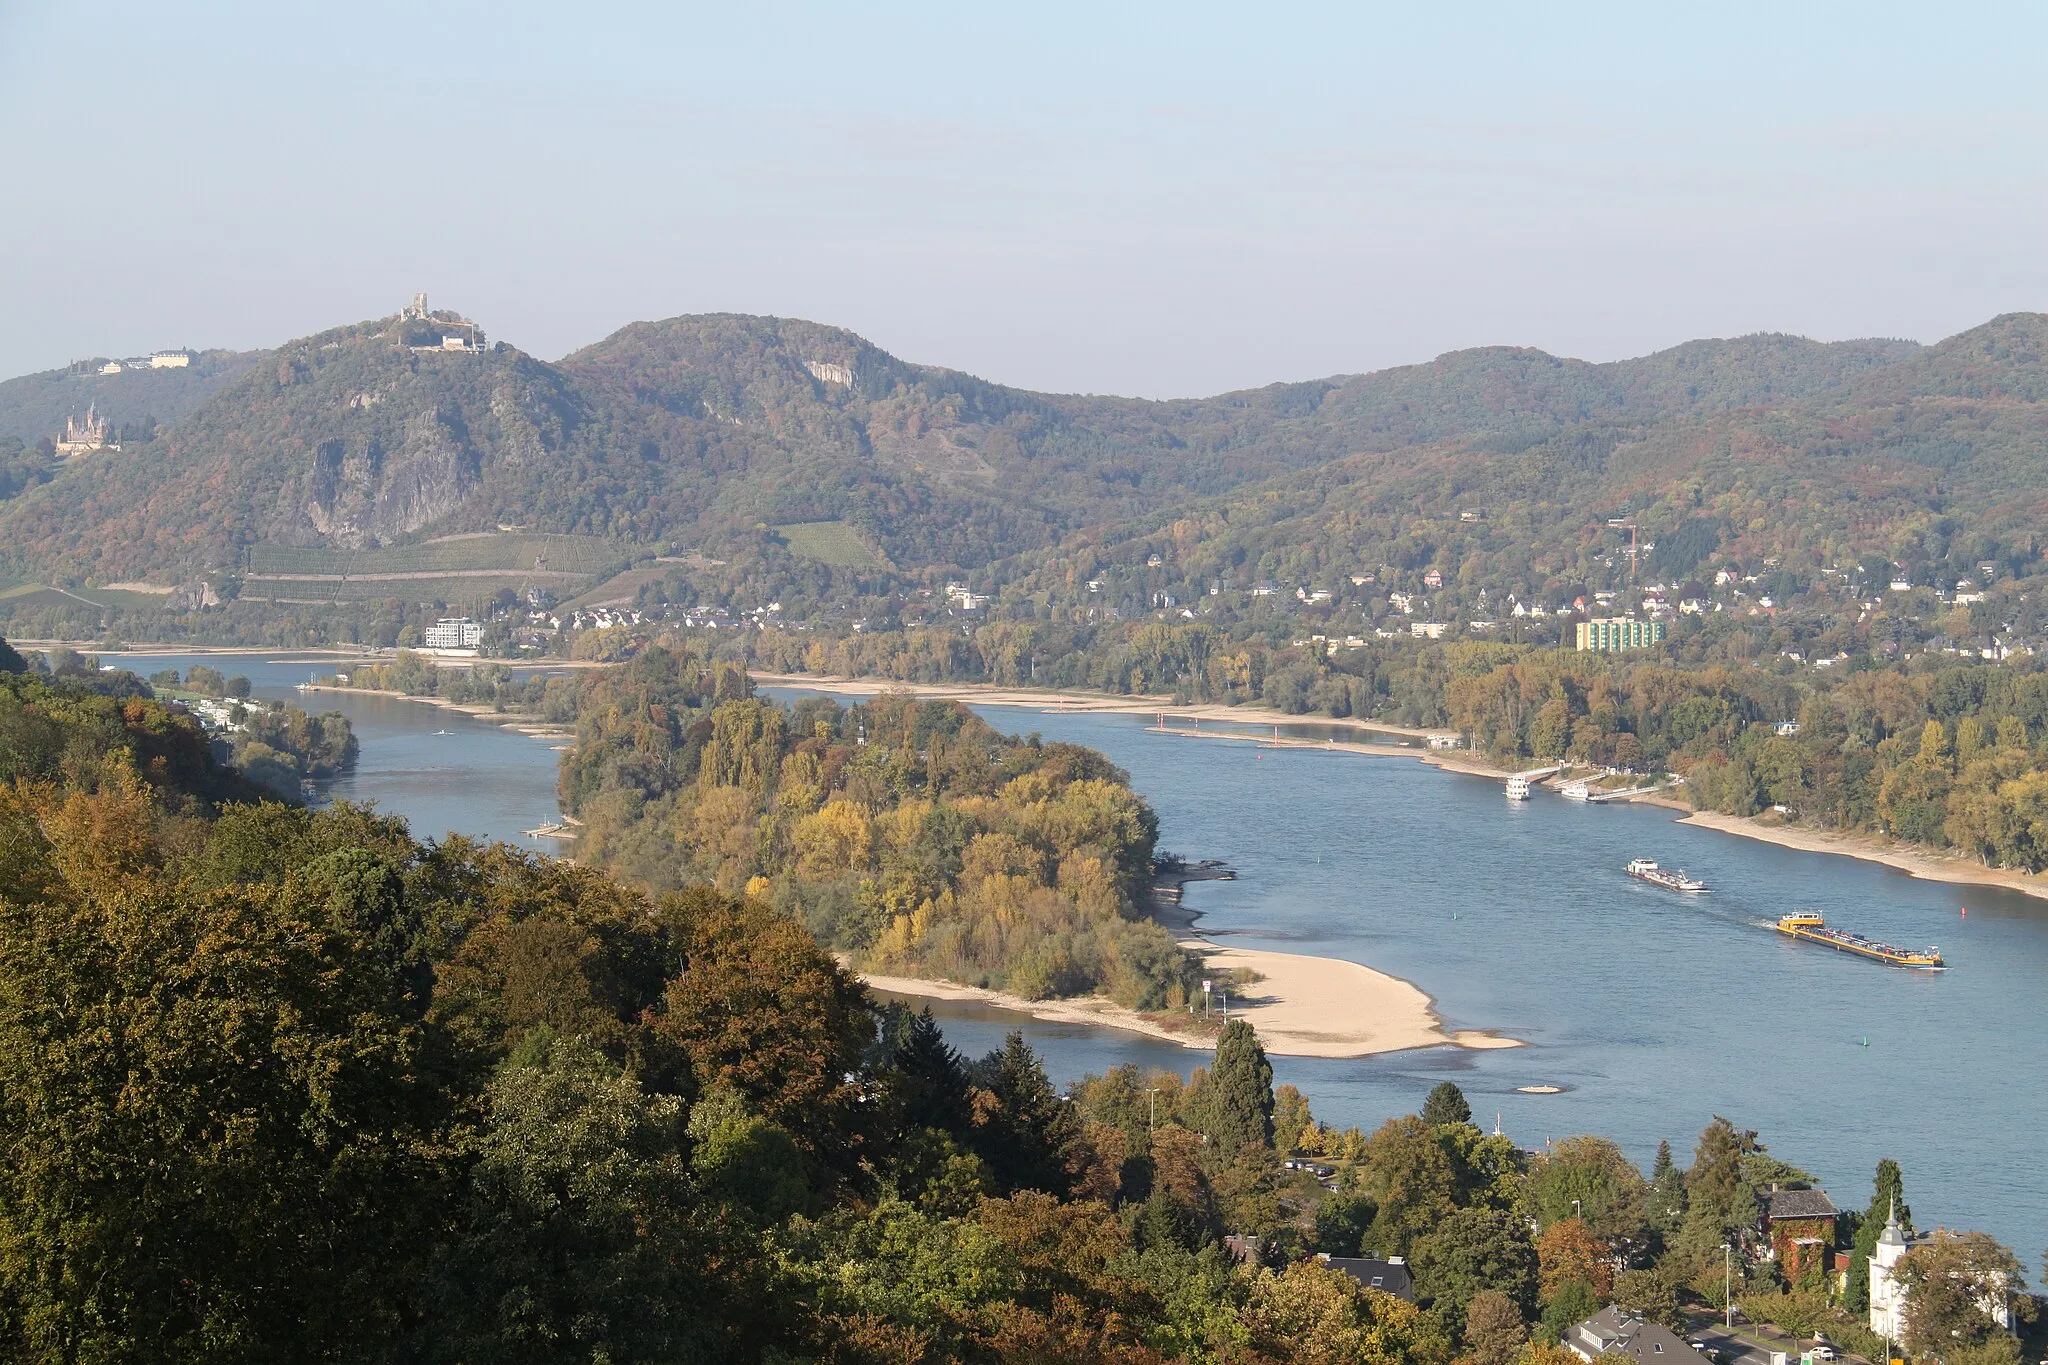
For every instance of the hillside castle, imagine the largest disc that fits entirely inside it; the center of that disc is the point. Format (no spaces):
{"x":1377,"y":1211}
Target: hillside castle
{"x":85,"y":435}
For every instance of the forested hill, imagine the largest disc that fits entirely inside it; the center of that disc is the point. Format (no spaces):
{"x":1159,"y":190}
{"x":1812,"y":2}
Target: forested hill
{"x":1504,"y":475}
{"x":34,"y":407}
{"x":716,"y":433}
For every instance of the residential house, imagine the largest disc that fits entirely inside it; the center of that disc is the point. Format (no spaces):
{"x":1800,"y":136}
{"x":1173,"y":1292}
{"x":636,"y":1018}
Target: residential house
{"x":1433,"y":579}
{"x":1614,"y":1331}
{"x":1389,"y":1275}
{"x":1427,"y":630}
{"x":1801,"y":1227}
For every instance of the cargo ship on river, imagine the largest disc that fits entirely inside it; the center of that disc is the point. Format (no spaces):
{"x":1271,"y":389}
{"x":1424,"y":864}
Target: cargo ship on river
{"x":1813,"y":929}
{"x":1646,"y":869}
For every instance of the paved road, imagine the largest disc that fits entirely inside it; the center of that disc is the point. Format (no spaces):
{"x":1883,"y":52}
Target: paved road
{"x":1747,"y":1344}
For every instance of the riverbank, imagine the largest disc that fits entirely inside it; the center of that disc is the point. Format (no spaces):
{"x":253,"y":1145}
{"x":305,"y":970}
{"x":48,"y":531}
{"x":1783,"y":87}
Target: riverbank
{"x":1301,"y":1006}
{"x":1080,"y":703}
{"x":520,"y":722}
{"x":1874,"y":848}
{"x":1918,"y":862}
{"x":1173,"y":720}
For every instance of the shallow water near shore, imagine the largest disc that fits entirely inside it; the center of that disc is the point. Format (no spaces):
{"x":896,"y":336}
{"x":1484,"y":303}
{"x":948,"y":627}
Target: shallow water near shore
{"x":1652,"y":1011}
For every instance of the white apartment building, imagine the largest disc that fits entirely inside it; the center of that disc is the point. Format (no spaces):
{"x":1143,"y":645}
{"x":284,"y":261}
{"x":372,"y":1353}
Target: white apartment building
{"x":454,"y":632}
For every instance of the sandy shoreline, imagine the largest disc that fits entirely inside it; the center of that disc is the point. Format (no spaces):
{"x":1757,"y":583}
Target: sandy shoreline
{"x":1047,"y":699}
{"x":1921,"y":863}
{"x":1304,"y":1007}
{"x":1874,"y":848}
{"x":1175,"y":720}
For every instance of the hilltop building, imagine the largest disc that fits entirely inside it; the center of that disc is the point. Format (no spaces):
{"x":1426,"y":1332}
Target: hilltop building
{"x":1612,"y":634}
{"x":82,"y":436}
{"x":425,"y":329}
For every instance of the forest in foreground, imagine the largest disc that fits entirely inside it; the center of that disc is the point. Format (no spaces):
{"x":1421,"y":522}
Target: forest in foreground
{"x":284,"y":1084}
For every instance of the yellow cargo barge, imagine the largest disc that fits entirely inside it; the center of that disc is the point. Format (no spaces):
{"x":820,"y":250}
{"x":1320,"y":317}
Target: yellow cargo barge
{"x":1814,"y":929}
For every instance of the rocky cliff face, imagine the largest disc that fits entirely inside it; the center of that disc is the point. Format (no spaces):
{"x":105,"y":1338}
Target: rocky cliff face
{"x":350,"y":439}
{"x":358,"y":494}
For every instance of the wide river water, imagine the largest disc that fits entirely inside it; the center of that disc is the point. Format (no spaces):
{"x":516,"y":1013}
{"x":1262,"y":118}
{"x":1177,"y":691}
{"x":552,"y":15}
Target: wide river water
{"x":1651,"y":1011}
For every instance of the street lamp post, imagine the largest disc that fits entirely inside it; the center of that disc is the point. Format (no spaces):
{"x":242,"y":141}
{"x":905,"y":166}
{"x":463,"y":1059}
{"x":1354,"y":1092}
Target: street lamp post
{"x":1728,"y":1286}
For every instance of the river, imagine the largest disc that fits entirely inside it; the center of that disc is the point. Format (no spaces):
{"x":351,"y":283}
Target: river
{"x":1651,"y":1011}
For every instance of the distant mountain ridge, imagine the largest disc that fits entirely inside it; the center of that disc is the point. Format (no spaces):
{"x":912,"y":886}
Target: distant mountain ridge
{"x":703,"y":432}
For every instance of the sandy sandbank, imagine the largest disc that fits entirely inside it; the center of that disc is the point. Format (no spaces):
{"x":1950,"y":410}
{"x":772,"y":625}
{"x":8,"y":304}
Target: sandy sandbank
{"x":1303,"y":1007}
{"x":1328,"y":1007}
{"x":1047,"y":699}
{"x":1875,"y":848}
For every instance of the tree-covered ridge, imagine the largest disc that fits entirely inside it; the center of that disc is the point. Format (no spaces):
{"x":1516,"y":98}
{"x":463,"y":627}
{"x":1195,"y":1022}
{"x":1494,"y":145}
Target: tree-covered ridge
{"x":705,"y":432}
{"x":34,"y":407}
{"x":83,"y":733}
{"x":346,"y":438}
{"x":909,"y":834}
{"x":1927,"y":458}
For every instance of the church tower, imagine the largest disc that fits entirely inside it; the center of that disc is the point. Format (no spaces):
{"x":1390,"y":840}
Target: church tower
{"x":1887,"y":1295}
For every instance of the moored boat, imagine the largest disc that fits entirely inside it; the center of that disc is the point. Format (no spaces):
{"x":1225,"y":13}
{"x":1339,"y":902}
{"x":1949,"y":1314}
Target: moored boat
{"x":1518,"y":788}
{"x":1813,"y":929}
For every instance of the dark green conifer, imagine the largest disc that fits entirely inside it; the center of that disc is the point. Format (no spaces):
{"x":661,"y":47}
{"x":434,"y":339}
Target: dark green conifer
{"x":1238,"y":1100}
{"x":1446,"y":1104}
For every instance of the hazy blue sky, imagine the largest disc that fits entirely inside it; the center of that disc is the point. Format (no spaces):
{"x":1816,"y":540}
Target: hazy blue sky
{"x":1154,"y":199}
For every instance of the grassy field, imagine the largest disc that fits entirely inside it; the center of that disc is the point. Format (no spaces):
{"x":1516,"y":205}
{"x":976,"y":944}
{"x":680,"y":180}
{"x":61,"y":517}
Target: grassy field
{"x":585,"y":555}
{"x":830,"y":542}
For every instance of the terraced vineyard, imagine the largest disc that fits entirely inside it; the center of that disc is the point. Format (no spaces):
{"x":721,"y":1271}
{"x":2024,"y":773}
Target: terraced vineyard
{"x":583,"y":555}
{"x":455,"y":570}
{"x":457,"y":590}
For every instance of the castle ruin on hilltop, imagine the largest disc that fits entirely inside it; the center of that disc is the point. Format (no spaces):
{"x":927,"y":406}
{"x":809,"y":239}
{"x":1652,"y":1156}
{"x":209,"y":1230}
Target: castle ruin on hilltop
{"x":424,"y":329}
